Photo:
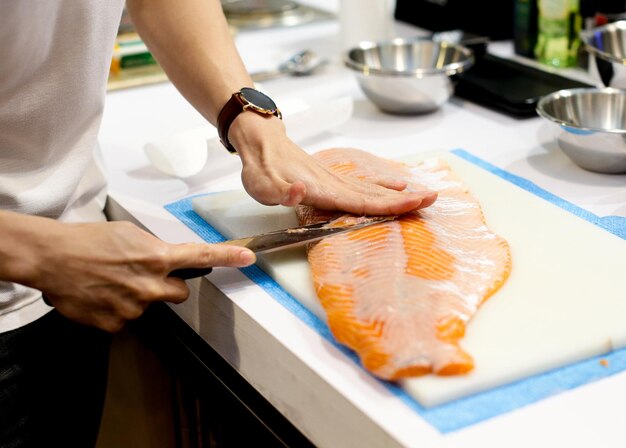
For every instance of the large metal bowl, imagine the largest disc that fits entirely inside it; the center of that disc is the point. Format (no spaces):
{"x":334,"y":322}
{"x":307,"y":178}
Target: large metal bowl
{"x":407,"y":76}
{"x":592,"y":126}
{"x":607,"y":44}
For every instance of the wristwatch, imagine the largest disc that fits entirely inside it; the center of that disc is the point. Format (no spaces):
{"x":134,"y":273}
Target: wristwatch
{"x":246,"y":99}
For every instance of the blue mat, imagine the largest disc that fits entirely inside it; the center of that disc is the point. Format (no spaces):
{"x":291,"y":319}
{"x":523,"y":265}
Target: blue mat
{"x":476,"y":408}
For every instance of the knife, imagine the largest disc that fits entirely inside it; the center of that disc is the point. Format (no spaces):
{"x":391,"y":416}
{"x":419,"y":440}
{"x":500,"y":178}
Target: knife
{"x":287,"y":238}
{"x":282,"y":239}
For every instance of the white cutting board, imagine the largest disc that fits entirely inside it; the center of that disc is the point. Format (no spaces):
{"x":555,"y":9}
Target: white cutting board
{"x":565,"y":300}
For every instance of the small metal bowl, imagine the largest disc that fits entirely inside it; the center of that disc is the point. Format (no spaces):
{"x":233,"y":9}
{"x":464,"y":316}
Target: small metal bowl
{"x":408,"y":76}
{"x":592,"y":126}
{"x":607,"y":44}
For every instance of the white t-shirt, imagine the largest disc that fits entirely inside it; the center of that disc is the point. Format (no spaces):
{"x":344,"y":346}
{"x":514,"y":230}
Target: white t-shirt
{"x":54,"y":62}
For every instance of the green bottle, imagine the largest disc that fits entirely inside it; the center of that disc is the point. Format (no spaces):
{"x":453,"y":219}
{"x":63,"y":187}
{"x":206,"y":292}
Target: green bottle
{"x":559,"y":25}
{"x":525,"y":27}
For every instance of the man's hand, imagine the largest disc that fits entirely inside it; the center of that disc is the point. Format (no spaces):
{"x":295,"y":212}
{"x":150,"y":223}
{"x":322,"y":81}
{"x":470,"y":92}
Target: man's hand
{"x":285,"y":174}
{"x":104,"y":274}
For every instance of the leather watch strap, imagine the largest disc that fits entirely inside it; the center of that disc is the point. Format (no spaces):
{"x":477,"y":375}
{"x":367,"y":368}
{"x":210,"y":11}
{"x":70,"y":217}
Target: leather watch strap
{"x":246,"y":99}
{"x":230,"y":111}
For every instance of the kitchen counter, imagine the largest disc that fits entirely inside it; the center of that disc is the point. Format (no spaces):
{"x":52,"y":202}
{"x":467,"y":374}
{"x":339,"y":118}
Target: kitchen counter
{"x":327,"y":397}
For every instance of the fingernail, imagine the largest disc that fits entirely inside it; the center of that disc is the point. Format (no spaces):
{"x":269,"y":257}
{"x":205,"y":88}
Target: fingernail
{"x":247,"y":257}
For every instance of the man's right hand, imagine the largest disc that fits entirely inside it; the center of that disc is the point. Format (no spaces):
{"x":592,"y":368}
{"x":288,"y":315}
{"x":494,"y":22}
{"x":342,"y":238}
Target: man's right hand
{"x":104,"y":274}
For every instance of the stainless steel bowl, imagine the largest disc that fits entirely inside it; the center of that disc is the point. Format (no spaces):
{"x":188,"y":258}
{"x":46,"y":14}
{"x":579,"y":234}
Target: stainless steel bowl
{"x":592,"y":126}
{"x":407,"y":76}
{"x":607,"y":44}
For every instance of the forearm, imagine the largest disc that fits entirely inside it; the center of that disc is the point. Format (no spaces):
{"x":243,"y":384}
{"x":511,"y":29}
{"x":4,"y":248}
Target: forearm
{"x":192,"y":42}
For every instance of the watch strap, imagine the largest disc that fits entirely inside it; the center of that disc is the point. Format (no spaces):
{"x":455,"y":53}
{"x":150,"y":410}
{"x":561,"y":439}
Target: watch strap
{"x":233,"y":107}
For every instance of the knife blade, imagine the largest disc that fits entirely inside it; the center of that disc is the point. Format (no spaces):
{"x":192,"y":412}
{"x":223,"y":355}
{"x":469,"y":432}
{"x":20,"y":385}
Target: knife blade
{"x":287,"y":238}
{"x":281,"y":239}
{"x":299,"y":236}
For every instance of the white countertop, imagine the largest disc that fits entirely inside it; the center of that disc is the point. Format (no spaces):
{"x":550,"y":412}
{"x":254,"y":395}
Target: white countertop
{"x":302,"y":375}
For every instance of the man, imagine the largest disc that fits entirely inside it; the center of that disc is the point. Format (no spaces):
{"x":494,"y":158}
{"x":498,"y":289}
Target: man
{"x":97,"y":275}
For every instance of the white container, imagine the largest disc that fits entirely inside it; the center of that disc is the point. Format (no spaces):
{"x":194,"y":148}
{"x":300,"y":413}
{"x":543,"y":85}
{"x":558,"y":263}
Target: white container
{"x":365,"y":20}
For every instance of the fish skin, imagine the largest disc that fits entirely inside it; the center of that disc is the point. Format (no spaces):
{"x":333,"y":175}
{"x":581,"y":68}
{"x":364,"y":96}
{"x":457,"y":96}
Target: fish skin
{"x":401,"y":293}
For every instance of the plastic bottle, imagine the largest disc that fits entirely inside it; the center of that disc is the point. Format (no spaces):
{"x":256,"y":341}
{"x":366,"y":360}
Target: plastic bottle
{"x":558,"y":37}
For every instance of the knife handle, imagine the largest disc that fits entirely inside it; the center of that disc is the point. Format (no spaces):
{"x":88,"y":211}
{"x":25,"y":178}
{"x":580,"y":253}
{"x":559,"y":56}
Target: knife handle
{"x":47,"y":301}
{"x":189,"y":273}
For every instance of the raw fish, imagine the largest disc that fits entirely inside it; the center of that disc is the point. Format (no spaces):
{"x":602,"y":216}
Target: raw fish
{"x":401,"y":293}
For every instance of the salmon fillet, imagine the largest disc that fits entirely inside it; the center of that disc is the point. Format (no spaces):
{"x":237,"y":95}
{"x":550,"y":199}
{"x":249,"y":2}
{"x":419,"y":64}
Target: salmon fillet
{"x":400,"y":293}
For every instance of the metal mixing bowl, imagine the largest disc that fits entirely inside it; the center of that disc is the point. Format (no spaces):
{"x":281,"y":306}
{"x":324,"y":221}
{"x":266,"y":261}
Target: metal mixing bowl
{"x":592,"y":126}
{"x":407,"y":76}
{"x":607,"y":44}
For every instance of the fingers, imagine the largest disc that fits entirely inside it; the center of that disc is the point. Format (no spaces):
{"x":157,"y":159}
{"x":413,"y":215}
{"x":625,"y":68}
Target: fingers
{"x":118,"y":269}
{"x":396,"y":204}
{"x":400,"y":203}
{"x":192,"y":255}
{"x":175,"y":290}
{"x":391,"y":184}
{"x":429,"y":198}
{"x":386,"y":199}
{"x":364,"y":198}
{"x":113,"y":320}
{"x":293,"y":178}
{"x":383,"y":206}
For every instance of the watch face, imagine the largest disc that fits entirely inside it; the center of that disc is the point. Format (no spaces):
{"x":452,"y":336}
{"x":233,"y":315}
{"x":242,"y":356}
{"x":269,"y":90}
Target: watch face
{"x":257,"y":99}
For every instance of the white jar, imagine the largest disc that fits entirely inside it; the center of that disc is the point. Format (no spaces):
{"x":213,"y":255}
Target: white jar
{"x":361,"y":20}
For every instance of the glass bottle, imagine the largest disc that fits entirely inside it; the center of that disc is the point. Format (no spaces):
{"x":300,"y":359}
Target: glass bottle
{"x":558,"y":37}
{"x":525,"y":27}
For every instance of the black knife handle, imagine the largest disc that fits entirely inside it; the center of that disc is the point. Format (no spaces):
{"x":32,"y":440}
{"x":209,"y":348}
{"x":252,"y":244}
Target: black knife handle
{"x":46,"y":301}
{"x":189,"y":273}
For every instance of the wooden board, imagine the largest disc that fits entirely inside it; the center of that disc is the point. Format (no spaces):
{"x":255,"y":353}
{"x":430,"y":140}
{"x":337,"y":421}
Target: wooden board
{"x":565,"y":300}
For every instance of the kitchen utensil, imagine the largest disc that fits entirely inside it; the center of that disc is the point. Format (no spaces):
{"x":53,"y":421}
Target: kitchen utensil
{"x":189,"y":273}
{"x":302,"y":63}
{"x":282,"y":239}
{"x":407,"y":76}
{"x":607,"y":41}
{"x":298,"y":236}
{"x":607,"y":44}
{"x":287,"y":238}
{"x":592,"y":126}
{"x":264,"y":14}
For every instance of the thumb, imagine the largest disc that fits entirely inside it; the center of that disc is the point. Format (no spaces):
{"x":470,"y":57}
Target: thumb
{"x":192,"y":255}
